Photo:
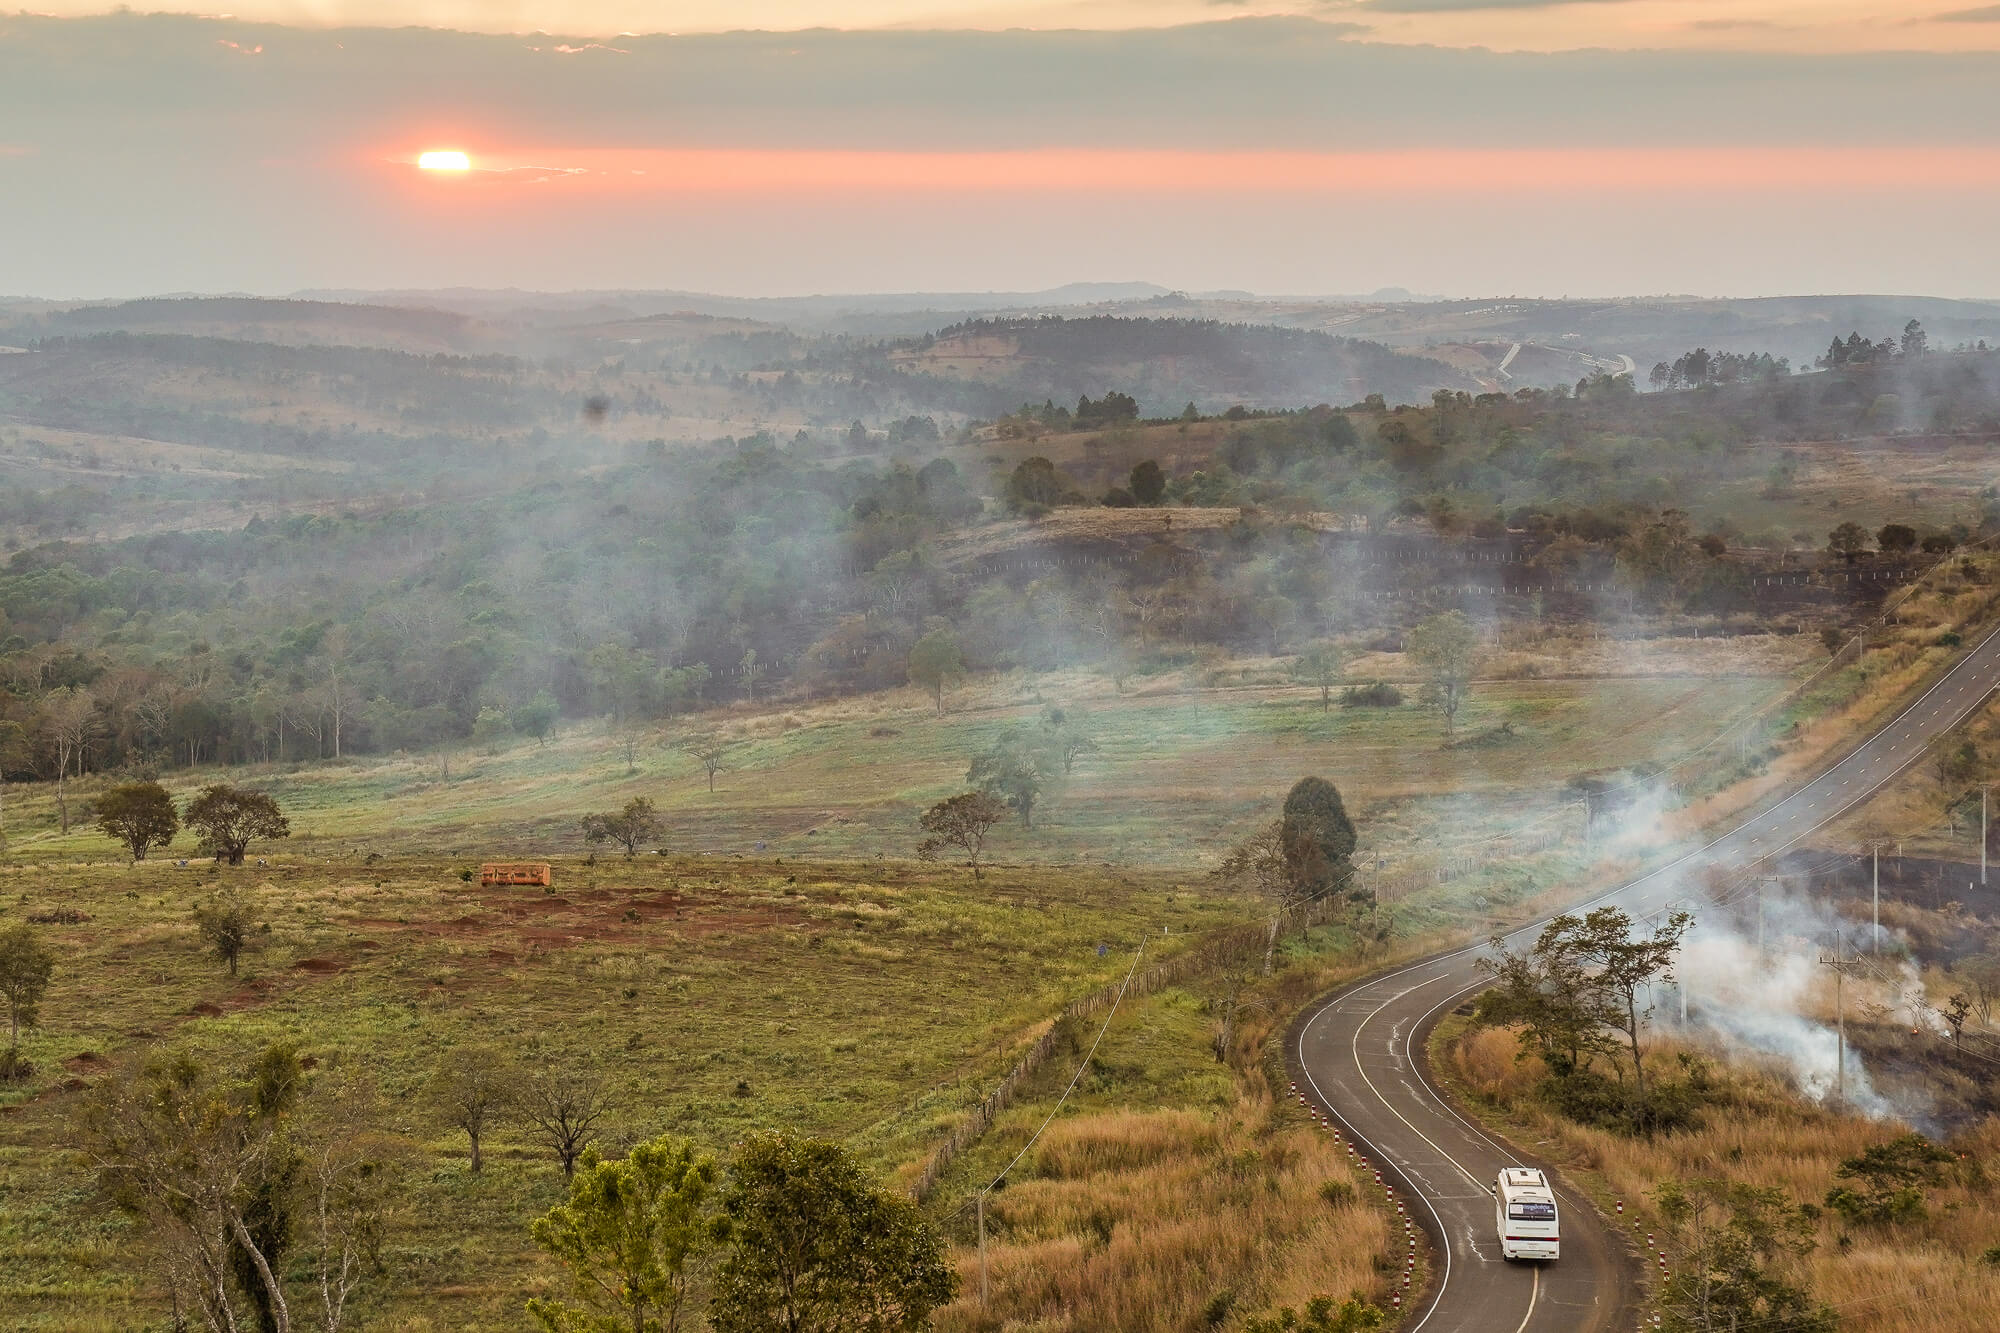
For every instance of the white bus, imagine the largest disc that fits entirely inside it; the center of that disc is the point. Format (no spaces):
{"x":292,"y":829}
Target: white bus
{"x":1525,"y":1213}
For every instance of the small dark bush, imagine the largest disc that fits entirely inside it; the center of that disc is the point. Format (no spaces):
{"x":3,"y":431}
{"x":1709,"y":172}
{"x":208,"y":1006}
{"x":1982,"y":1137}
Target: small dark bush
{"x":1379,"y":694}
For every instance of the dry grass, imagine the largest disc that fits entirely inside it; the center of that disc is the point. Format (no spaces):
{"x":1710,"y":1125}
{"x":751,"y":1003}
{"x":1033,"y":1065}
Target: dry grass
{"x":1924,"y":1277}
{"x":1157,"y":1221}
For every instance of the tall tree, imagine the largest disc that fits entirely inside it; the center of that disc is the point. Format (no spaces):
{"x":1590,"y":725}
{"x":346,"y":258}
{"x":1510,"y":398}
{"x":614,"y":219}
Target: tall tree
{"x":635,"y":1235}
{"x":1016,"y":771}
{"x":935,"y":662}
{"x":1318,"y":837}
{"x":139,"y":814}
{"x":26,"y":965}
{"x":68,"y":724}
{"x":1323,"y":665}
{"x":709,"y":750}
{"x":1446,"y":649}
{"x":471,"y":1090}
{"x":1582,"y":978}
{"x":818,"y":1249}
{"x":1148,"y":483}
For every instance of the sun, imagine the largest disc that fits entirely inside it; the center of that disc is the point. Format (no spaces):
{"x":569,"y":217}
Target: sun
{"x":444,"y":160}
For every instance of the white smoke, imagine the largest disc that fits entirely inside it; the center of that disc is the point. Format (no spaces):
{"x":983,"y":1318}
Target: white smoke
{"x":1776,"y":1002}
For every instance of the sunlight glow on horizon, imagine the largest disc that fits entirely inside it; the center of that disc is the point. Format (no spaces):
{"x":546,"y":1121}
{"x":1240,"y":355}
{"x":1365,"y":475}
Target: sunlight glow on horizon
{"x":1423,"y":170}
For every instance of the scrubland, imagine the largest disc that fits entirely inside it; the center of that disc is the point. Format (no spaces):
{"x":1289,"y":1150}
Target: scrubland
{"x":1924,"y":1276}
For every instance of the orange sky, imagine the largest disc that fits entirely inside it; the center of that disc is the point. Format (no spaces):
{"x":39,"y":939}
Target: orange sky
{"x":1763,"y":25}
{"x":1647,"y":170}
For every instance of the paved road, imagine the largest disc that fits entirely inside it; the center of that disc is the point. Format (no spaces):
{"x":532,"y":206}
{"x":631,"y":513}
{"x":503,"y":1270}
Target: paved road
{"x":1359,"y":1054}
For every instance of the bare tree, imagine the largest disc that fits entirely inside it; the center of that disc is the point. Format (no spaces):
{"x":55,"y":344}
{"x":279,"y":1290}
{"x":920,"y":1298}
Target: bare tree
{"x":349,"y":1175}
{"x":564,"y":1102}
{"x":708,"y":750}
{"x":224,"y":1169}
{"x":1259,"y":865}
{"x":68,"y":723}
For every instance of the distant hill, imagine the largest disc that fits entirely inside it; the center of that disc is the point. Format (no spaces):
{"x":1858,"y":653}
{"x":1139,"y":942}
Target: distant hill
{"x":255,"y":319}
{"x":1166,"y":363}
{"x":858,"y":312}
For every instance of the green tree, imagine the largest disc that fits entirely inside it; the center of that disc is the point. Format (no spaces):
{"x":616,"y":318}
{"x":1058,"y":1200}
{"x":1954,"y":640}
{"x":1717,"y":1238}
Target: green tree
{"x":139,"y":814}
{"x":961,"y":821}
{"x":818,"y":1249}
{"x":1896,"y":538}
{"x":1148,"y":483}
{"x":1067,"y":734}
{"x":227,"y":818}
{"x":1323,"y":665}
{"x":1446,"y":649}
{"x":1737,"y":1268}
{"x":1318,"y":837}
{"x":226,"y":921}
{"x":1547,"y":995}
{"x":471,"y":1090}
{"x":1034,"y":486}
{"x":1582,"y":976}
{"x":490,"y":729}
{"x":1847,"y":541}
{"x":537,"y":717}
{"x":637,"y":823}
{"x":1888,"y":1180}
{"x":26,"y":964}
{"x":935,"y":662}
{"x":1017,"y":771}
{"x":635,"y":1236}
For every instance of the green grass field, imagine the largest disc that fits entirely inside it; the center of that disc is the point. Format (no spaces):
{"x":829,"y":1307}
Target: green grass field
{"x":870,"y":1005}
{"x":1181,"y":773}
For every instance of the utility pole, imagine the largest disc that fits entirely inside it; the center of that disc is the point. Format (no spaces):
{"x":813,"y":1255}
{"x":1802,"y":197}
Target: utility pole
{"x":1841,"y":965}
{"x":1877,"y":848}
{"x":1983,"y":789}
{"x":982,"y":1249}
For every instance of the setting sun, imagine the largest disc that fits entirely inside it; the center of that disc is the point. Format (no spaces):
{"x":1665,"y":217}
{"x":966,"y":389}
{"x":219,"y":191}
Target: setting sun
{"x":445,"y":160}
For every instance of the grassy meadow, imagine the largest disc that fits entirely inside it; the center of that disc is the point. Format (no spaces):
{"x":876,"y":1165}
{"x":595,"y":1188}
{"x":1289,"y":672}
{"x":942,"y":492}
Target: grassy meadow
{"x":869,"y":1004}
{"x":1187,"y":761}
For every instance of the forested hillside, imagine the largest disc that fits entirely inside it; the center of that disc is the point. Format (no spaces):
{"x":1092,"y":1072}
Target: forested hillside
{"x":586,"y":578}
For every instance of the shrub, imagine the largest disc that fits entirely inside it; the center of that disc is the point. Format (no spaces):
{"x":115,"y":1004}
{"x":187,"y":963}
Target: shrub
{"x":1379,"y":694}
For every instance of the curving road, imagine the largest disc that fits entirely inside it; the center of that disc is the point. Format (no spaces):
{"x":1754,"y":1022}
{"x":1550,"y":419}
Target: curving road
{"x":1358,"y":1053}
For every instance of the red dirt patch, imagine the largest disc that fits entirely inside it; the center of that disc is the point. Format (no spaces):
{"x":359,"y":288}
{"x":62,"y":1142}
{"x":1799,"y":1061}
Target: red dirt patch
{"x":207,"y":1009}
{"x":85,"y":1060}
{"x":320,"y":966}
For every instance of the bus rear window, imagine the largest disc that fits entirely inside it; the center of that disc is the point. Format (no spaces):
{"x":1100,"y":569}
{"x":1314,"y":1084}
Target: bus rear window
{"x":1532,"y":1212}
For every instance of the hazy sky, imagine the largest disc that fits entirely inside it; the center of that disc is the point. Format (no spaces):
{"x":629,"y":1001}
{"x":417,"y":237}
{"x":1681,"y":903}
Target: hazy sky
{"x":1720,"y":151}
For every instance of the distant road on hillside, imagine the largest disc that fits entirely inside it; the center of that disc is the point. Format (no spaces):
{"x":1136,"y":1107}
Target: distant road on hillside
{"x":1359,"y":1053}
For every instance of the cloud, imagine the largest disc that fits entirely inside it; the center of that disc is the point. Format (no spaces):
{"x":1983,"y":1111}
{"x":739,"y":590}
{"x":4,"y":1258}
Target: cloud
{"x":1984,"y":14}
{"x":1460,"y":6}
